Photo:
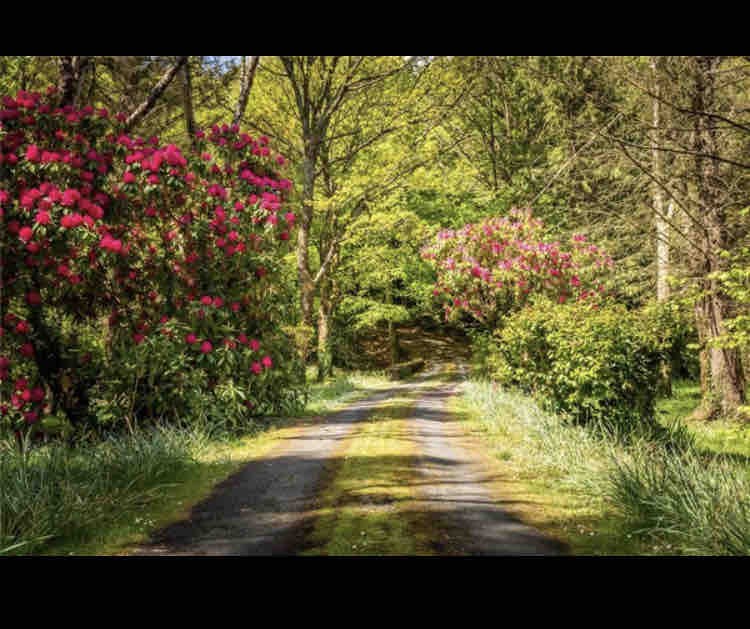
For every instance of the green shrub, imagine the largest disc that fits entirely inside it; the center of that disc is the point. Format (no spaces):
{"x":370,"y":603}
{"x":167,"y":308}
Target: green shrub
{"x":485,"y":358}
{"x":672,"y":324}
{"x":591,"y":365}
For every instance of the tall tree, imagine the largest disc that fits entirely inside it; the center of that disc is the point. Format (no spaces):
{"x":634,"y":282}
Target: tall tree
{"x":725,"y":386}
{"x":343,"y":109}
{"x":248,"y":68}
{"x":660,"y":220}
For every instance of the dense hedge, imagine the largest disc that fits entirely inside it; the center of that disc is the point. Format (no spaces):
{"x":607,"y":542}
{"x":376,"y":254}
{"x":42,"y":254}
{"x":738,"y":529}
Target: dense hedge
{"x":589,"y":364}
{"x":139,"y":281}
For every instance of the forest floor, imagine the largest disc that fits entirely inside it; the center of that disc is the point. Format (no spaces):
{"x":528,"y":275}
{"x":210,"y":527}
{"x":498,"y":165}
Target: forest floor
{"x":393,"y":473}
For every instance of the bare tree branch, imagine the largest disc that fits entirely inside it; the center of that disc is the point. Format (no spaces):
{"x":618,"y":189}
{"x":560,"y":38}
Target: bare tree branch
{"x":148,"y":104}
{"x":249,"y":66}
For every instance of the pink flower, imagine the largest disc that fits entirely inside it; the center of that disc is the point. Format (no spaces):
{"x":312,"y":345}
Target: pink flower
{"x":71,"y":220}
{"x":256,"y":368}
{"x":254,"y":345}
{"x":25,"y":233}
{"x":70,"y":197}
{"x":27,"y":350}
{"x":267,"y":362}
{"x":33,"y":154}
{"x":22,"y":327}
{"x":206,"y":347}
{"x":138,"y":338}
{"x":111,"y":244}
{"x":42,"y":218}
{"x":128,"y":177}
{"x":206,"y":300}
{"x":190,"y":338}
{"x":33,"y":298}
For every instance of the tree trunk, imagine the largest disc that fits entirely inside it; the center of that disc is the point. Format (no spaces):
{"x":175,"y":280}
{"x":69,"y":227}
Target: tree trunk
{"x":72,"y":70}
{"x":662,"y":234}
{"x":148,"y":104}
{"x":724,"y":384}
{"x":249,"y":66}
{"x":392,"y":332}
{"x":187,"y":97}
{"x":325,"y":312}
{"x":304,"y":277}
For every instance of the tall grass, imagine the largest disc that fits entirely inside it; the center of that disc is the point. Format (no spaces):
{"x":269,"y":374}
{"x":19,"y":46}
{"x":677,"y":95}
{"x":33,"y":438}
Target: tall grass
{"x":658,"y":482}
{"x":59,"y":494}
{"x":342,"y":387}
{"x":56,"y":491}
{"x":699,"y":502}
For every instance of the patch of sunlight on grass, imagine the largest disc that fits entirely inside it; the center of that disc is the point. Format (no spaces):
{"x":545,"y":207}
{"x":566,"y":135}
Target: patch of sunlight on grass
{"x":361,"y":509}
{"x":342,"y":388}
{"x":719,"y":436}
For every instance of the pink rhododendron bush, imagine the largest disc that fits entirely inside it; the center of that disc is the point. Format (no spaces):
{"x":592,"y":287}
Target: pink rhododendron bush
{"x":138,"y":280}
{"x":546,"y":323}
{"x":491,"y":268}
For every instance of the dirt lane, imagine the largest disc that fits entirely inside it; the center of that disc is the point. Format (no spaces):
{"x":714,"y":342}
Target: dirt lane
{"x":456,"y":489}
{"x":267,"y":508}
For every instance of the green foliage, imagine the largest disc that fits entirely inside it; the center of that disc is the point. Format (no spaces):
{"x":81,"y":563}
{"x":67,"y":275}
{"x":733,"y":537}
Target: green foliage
{"x":672,"y":325}
{"x":381,"y":278}
{"x":592,"y":365}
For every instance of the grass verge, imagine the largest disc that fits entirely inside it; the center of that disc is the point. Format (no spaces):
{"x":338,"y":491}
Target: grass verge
{"x":102,"y":498}
{"x":548,"y":473}
{"x":719,"y":436}
{"x":364,"y":508}
{"x":342,"y":388}
{"x":680,"y":491}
